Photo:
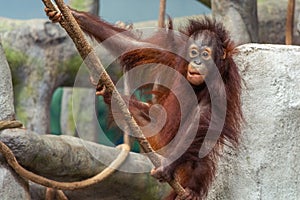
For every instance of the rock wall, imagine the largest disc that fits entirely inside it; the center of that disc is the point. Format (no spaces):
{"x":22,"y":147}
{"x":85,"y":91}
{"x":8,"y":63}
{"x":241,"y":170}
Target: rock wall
{"x":272,"y":21}
{"x":267,"y":163}
{"x":43,"y":54}
{"x":9,"y":181}
{"x":6,"y":89}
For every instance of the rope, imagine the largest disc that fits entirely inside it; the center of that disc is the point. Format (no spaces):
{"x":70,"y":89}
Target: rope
{"x":10,"y":124}
{"x":12,"y":161}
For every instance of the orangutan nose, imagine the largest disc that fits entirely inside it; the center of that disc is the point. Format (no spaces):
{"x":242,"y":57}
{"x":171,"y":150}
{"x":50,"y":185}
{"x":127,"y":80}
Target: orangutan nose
{"x":197,"y":62}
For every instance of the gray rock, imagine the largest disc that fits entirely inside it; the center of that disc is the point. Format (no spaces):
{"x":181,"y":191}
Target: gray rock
{"x":272,"y":21}
{"x":239,"y":17}
{"x":6,"y":89}
{"x":11,"y":185}
{"x":42,"y":59}
{"x":267,"y":163}
{"x":81,"y":120}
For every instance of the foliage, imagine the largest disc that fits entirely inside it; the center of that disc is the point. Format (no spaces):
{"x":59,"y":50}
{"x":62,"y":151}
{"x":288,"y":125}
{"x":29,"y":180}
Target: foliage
{"x":79,"y":4}
{"x":71,"y":66}
{"x":16,"y":59}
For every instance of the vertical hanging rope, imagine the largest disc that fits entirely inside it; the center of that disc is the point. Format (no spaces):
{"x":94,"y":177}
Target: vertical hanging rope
{"x":126,"y":136}
{"x":290,"y":22}
{"x":162,"y":13}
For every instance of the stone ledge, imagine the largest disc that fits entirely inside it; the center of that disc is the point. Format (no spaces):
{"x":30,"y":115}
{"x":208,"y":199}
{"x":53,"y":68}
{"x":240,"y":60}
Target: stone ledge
{"x":267,"y":163}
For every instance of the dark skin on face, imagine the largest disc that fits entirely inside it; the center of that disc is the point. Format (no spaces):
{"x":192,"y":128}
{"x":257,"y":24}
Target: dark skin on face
{"x":210,"y":46}
{"x":197,"y":68}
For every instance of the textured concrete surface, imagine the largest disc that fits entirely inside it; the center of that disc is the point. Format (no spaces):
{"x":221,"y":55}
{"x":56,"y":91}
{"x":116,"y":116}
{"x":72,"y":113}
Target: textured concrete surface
{"x":43,"y":59}
{"x":7,"y":110}
{"x":9,"y":181}
{"x":239,"y":17}
{"x":267,"y":164}
{"x":272,"y":21}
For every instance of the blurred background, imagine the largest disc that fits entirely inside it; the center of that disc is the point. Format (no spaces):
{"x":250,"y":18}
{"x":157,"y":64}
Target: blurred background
{"x":128,"y":11}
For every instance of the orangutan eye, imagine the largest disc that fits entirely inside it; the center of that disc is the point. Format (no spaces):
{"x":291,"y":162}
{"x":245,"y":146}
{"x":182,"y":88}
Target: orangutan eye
{"x":205,"y":54}
{"x":193,"y":53}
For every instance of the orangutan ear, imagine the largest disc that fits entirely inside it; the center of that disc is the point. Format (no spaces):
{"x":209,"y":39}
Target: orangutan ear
{"x":224,"y":54}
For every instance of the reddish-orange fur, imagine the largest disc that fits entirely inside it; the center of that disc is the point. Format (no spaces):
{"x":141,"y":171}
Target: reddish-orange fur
{"x":192,"y":171}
